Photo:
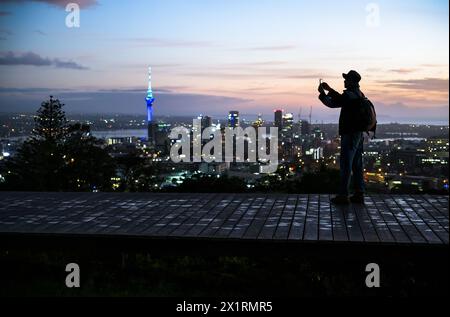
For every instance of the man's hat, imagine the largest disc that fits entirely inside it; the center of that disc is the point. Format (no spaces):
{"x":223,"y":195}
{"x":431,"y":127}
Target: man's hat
{"x":352,"y":76}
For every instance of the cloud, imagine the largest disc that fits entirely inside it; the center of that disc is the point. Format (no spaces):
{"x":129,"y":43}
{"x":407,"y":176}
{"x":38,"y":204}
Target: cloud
{"x":67,"y":64}
{"x":153,"y":65}
{"x":58,"y":3}
{"x":217,"y":75}
{"x":265,"y":63}
{"x":312,"y":76}
{"x":403,"y":70}
{"x":15,"y":90}
{"x":29,"y":58}
{"x":429,"y":84}
{"x":373,"y":70}
{"x":6,"y":32}
{"x":434,"y":65}
{"x":393,"y":70}
{"x":160,"y":42}
{"x":271,"y":48}
{"x":255,"y":72}
{"x":33,"y":59}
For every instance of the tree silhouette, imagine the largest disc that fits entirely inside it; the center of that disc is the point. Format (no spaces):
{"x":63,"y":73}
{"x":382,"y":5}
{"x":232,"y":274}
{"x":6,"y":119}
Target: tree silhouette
{"x":50,"y":123}
{"x":138,"y":173}
{"x":87,"y":166}
{"x":59,"y":156}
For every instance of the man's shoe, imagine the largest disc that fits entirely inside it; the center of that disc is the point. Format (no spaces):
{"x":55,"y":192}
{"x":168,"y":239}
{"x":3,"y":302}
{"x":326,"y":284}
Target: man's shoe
{"x":357,"y":198}
{"x":340,"y":200}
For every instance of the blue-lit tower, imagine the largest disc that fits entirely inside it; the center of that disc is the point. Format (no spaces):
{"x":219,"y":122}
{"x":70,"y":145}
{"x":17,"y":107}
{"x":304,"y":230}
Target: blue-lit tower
{"x":233,"y":119}
{"x":151,"y":126}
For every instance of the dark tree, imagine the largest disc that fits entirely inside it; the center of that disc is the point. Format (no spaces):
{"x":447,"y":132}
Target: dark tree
{"x":38,"y":163}
{"x":138,"y":173}
{"x":50,"y":123}
{"x":59,"y":156}
{"x":87,"y":165}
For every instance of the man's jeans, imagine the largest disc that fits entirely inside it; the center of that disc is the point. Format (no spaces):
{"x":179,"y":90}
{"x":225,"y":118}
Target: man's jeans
{"x":351,"y":160}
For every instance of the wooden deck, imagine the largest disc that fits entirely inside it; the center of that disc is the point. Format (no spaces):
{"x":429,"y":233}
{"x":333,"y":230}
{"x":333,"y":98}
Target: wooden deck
{"x":383,"y":220}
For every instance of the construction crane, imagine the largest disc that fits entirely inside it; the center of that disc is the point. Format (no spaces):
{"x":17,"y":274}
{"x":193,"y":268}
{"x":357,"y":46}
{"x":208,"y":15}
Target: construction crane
{"x":310,"y":115}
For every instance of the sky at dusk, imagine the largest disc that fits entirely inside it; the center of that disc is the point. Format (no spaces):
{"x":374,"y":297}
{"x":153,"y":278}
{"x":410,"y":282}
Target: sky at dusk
{"x":212,"y":56}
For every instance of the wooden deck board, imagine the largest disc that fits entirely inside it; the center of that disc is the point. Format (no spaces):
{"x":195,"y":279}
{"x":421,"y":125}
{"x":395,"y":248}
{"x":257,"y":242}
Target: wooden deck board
{"x":283,"y":228}
{"x":297,"y":226}
{"x":402,"y":218}
{"x":367,"y":228}
{"x":436,"y":228}
{"x":193,"y":218}
{"x":220,"y":219}
{"x":352,"y":223}
{"x":381,"y":227}
{"x":257,"y":223}
{"x":440,"y":217}
{"x":312,"y":219}
{"x":418,"y":221}
{"x":438,"y":203}
{"x":325,"y":219}
{"x":339,"y":226}
{"x":394,"y":226}
{"x":230,"y":224}
{"x":204,"y":222}
{"x":270,"y":225}
{"x":244,"y":223}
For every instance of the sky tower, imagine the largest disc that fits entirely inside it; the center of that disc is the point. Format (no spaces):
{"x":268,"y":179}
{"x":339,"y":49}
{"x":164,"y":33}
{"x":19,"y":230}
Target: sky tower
{"x":151,"y":126}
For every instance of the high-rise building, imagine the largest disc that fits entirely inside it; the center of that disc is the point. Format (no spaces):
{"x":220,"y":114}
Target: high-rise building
{"x":259,"y":122}
{"x":278,"y":120}
{"x":206,"y":121}
{"x":305,"y":127}
{"x":233,"y":119}
{"x":317,"y":153}
{"x":288,"y":122}
{"x":151,"y":125}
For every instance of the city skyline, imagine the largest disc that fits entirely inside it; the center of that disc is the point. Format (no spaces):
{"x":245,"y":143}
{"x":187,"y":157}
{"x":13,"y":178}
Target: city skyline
{"x":231,"y":58}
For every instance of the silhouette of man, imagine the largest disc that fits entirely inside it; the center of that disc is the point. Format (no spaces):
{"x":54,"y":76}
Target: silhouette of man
{"x":351,"y":137}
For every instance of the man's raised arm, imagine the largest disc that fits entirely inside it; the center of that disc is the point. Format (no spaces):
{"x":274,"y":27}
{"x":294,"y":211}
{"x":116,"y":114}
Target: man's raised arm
{"x":333,"y":99}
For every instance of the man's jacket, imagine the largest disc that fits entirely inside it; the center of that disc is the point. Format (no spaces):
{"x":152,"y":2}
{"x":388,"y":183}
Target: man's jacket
{"x":348,"y":101}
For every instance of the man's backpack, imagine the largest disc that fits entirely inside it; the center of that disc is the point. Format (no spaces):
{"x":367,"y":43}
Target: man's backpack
{"x":367,"y":117}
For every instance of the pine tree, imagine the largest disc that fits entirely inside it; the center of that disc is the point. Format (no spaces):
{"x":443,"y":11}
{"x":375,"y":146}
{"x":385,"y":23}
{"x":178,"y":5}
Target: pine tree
{"x":59,"y":156}
{"x":50,"y":122}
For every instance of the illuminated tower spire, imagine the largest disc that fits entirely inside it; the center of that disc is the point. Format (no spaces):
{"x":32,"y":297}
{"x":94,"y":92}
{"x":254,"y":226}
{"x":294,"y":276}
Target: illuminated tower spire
{"x":151,"y":126}
{"x":149,"y":99}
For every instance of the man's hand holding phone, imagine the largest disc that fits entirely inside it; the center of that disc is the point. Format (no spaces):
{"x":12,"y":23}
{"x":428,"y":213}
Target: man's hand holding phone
{"x":325,"y":86}
{"x":320,"y":89}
